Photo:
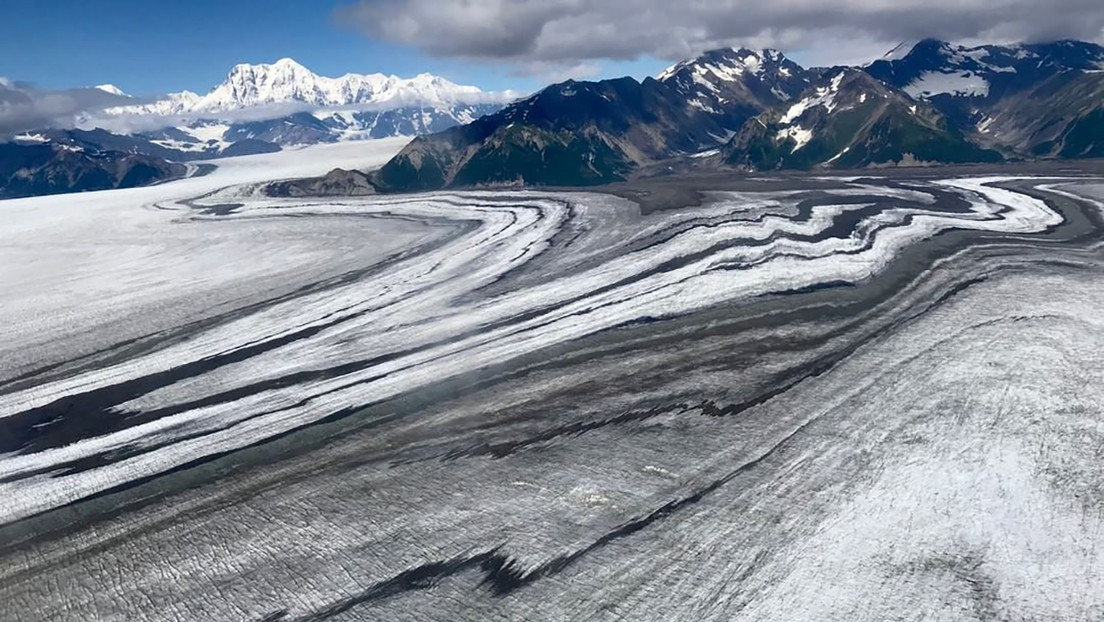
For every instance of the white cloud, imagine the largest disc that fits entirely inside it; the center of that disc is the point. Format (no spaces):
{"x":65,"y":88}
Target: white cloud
{"x":575,"y":32}
{"x":23,"y":106}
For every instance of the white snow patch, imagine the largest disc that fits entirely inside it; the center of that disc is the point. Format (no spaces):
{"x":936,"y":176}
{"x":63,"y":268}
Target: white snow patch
{"x":180,"y":145}
{"x":31,"y":138}
{"x":795,"y":111}
{"x":799,"y":135}
{"x":837,"y":156}
{"x":978,"y":54}
{"x":205,"y":137}
{"x":658,"y":470}
{"x":706,"y":154}
{"x":902,"y":50}
{"x":825,"y":96}
{"x":700,"y":105}
{"x":209,"y":132}
{"x":670,"y":71}
{"x":752,"y":64}
{"x":958,"y":83}
{"x":708,"y":74}
{"x":700,"y":78}
{"x":727,"y":136}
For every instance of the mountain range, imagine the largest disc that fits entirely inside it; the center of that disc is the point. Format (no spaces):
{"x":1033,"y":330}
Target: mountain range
{"x":927,"y":102}
{"x":33,"y":170}
{"x":256,"y":109}
{"x":848,"y":119}
{"x":567,"y":134}
{"x":288,"y":82}
{"x":923,"y":103}
{"x":1040,"y":100}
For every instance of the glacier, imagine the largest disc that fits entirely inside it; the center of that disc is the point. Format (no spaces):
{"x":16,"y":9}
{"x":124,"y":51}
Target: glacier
{"x":841,"y":398}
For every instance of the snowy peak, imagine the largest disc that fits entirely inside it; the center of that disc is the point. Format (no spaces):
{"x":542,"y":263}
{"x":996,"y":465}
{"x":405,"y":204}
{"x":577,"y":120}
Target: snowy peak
{"x":111,"y":88}
{"x":283,"y":72}
{"x":173,"y":104}
{"x":434,"y":90}
{"x":729,"y":64}
{"x":289,"y":64}
{"x":265,"y":106}
{"x":725,"y":63}
{"x":849,"y":119}
{"x":286,"y":82}
{"x":734,"y":84}
{"x":901,"y":50}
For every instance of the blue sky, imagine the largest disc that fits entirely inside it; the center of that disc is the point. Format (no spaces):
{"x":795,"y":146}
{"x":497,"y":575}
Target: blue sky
{"x":148,"y":47}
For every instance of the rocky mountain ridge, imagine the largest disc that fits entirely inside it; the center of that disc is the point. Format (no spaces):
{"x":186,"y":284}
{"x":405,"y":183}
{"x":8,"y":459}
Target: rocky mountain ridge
{"x":925,"y":103}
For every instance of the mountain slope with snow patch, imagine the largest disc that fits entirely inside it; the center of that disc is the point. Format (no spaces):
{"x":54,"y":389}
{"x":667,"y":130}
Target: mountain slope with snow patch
{"x":732,"y":85}
{"x":848,"y":120}
{"x":1024,"y":97}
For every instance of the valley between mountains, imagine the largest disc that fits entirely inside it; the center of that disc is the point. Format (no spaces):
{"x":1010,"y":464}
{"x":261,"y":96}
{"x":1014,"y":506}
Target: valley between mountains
{"x":694,"y":397}
{"x":926,"y":103}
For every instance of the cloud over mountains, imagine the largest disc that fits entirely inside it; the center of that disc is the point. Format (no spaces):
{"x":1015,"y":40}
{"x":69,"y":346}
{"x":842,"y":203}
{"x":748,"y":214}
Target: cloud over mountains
{"x":24,"y":106}
{"x":569,"y":32}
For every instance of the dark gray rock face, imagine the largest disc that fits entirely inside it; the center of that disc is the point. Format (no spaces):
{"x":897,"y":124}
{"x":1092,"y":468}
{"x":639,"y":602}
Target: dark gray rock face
{"x":338,"y":182}
{"x":569,"y":134}
{"x":30,"y":170}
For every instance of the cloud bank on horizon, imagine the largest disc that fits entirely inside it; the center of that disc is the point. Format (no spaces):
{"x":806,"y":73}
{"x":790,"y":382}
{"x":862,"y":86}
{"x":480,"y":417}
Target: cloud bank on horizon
{"x":24,"y":106}
{"x":539,"y":33}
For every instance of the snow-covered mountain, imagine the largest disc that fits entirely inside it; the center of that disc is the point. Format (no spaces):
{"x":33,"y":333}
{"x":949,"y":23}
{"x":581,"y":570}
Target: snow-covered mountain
{"x":172,"y":104}
{"x":927,"y":101}
{"x":284,"y":103}
{"x":111,"y":88}
{"x":582,"y":132}
{"x":930,"y":68}
{"x":287,"y":82}
{"x":848,"y":119}
{"x":732,"y":85}
{"x":1044,"y":99}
